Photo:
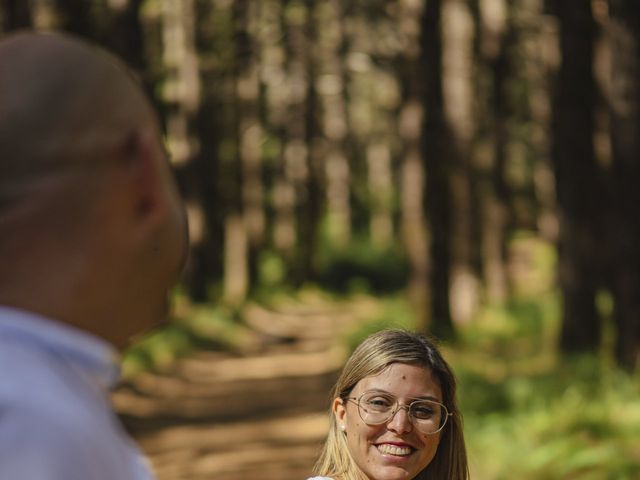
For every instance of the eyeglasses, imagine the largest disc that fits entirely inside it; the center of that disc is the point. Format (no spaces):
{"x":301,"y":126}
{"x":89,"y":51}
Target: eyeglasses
{"x":376,"y":408}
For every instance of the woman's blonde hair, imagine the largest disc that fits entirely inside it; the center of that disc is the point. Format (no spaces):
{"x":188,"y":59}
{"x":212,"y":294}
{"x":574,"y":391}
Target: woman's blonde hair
{"x":372,"y":356}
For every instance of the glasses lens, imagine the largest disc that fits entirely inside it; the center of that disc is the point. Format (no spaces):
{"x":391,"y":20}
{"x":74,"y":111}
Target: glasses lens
{"x":376,"y":408}
{"x":428,"y":416}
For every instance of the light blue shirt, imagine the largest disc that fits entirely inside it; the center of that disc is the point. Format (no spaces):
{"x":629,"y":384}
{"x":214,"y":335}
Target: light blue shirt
{"x":56,"y":422}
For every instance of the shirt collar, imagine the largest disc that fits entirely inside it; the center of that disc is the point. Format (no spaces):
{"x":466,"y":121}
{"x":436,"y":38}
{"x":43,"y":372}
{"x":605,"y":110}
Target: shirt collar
{"x":88,"y":352}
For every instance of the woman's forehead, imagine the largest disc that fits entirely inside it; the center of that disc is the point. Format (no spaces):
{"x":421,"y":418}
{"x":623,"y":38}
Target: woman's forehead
{"x":402,"y":379}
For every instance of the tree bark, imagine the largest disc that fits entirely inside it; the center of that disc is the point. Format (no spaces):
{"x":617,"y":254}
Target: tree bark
{"x":250,"y":131}
{"x":75,"y":17}
{"x":413,"y":228}
{"x":435,"y":139}
{"x":16,"y":14}
{"x":380,"y":180}
{"x":182,"y":102}
{"x":294,"y":168}
{"x":331,"y":92}
{"x":457,"y":74}
{"x":577,"y":175}
{"x":624,"y":34}
{"x":274,"y":78}
{"x":236,"y":272}
{"x":493,"y":39}
{"x":311,"y":206}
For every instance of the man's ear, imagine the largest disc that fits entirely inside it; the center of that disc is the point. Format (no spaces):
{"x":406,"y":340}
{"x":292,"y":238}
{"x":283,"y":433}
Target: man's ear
{"x":144,"y":171}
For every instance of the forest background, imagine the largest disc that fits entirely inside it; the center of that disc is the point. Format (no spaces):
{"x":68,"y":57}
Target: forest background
{"x":472,"y":165}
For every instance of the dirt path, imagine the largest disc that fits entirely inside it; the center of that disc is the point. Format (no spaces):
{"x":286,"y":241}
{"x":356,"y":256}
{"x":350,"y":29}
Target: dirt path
{"x":261,"y":416}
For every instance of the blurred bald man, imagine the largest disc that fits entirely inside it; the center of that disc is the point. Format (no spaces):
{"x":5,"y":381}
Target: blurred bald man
{"x":92,"y":236}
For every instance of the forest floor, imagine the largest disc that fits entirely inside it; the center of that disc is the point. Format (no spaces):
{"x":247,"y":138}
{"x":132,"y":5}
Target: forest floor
{"x":261,"y":414}
{"x":258,"y":408}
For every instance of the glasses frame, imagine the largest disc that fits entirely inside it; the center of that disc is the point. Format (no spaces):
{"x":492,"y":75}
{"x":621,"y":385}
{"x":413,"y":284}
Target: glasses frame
{"x":396,"y":408}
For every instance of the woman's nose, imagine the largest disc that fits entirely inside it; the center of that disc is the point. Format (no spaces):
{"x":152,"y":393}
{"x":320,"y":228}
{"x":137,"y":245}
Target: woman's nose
{"x":400,"y":422}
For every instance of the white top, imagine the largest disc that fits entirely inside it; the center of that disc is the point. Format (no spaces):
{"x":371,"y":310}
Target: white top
{"x":56,"y":422}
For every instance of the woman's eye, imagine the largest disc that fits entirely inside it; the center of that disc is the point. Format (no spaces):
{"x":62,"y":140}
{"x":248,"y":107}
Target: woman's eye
{"x":423,"y":411}
{"x":379,"y":402}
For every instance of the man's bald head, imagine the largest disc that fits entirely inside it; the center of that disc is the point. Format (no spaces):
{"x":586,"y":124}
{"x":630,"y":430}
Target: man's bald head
{"x":92,"y":230}
{"x":65,"y":107}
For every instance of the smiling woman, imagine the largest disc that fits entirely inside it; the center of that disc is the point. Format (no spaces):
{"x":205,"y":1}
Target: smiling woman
{"x":394,"y":414}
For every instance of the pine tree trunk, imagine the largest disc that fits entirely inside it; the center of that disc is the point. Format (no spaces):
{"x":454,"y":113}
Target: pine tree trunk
{"x":15,"y":14}
{"x":236,"y":273}
{"x":624,"y":34}
{"x":435,"y":139}
{"x":457,"y":74}
{"x":250,"y":131}
{"x":181,"y":96}
{"x":182,"y":89}
{"x":75,"y":16}
{"x":276,"y":99}
{"x":380,"y":181}
{"x":577,"y":178}
{"x":331,"y":91}
{"x":493,"y":39}
{"x":413,"y":226}
{"x":126,"y":37}
{"x":311,"y":206}
{"x":294,"y":168}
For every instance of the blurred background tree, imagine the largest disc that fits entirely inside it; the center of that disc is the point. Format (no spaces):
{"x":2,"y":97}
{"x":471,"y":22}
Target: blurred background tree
{"x":432,"y":131}
{"x":469,"y":167}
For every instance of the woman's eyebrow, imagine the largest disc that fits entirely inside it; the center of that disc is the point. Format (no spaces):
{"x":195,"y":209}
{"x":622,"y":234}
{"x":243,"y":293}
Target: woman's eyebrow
{"x":379,"y":390}
{"x":386,"y":392}
{"x":427,"y":397}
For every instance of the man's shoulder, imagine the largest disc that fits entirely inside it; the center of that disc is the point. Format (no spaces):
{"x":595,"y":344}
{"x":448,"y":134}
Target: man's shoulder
{"x":68,"y":447}
{"x":25,"y":427}
{"x":35,"y":384}
{"x":44,"y":419}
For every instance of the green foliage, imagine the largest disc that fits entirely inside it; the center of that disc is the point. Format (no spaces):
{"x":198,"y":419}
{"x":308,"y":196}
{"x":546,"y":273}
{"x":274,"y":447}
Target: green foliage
{"x":519,"y":328}
{"x":394,"y":312}
{"x":530,"y":413}
{"x":527,"y":322}
{"x":363,"y":267}
{"x":272,"y":269}
{"x":195,"y":327}
{"x":577,"y":420}
{"x":157,"y":349}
